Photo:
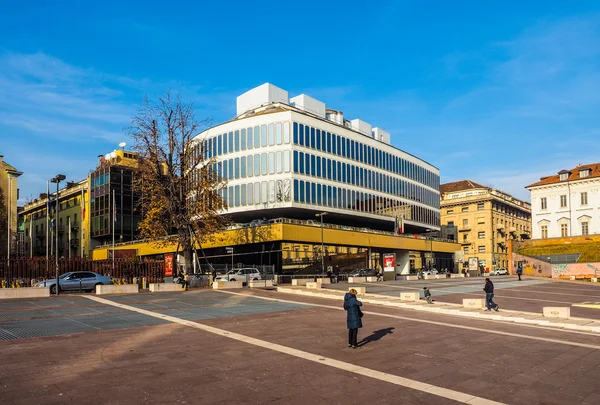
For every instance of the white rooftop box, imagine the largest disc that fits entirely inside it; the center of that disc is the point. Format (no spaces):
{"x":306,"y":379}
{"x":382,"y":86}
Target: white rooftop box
{"x":309,"y":104}
{"x":381,"y":135}
{"x":361,"y":126}
{"x":261,"y":95}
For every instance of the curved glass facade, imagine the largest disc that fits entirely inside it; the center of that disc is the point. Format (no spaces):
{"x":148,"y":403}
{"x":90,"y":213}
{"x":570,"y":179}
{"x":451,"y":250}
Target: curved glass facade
{"x":295,"y":164}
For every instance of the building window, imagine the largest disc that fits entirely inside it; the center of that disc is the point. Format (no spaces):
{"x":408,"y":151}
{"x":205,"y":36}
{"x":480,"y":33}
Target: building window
{"x":584,"y":200}
{"x":481,"y":220}
{"x":584,"y":173}
{"x":564,"y":176}
{"x":481,"y":235}
{"x":544,"y":203}
{"x":564,"y":230}
{"x":563,"y":201}
{"x":465,"y":209}
{"x":450,"y":224}
{"x":585,"y":228}
{"x":544,"y":231}
{"x":466,"y":250}
{"x":481,"y":249}
{"x":480,"y":207}
{"x":465,"y":222}
{"x":450,"y":212}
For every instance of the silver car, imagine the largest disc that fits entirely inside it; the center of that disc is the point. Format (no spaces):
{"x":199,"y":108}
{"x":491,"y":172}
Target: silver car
{"x":76,"y":281}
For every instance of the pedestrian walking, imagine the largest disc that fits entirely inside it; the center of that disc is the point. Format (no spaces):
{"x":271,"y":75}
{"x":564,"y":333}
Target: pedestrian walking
{"x":213,"y":275}
{"x":353,"y":319}
{"x":427,"y":295}
{"x":379,"y":275}
{"x":336,"y":273}
{"x":519,"y":271}
{"x":489,"y":296}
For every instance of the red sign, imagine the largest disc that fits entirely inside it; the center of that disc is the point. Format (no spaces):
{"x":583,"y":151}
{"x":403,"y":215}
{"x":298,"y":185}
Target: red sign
{"x":389,"y":262}
{"x":169,"y":265}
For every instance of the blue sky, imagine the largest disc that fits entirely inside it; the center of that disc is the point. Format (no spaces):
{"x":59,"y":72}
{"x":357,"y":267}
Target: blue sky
{"x":497,"y":92}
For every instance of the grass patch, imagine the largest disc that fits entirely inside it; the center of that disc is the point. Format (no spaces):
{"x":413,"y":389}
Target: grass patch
{"x":590,"y":252}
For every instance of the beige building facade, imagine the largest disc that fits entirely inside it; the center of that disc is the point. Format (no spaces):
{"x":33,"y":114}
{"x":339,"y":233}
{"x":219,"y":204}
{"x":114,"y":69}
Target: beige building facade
{"x":9,"y":182}
{"x":486,"y":219}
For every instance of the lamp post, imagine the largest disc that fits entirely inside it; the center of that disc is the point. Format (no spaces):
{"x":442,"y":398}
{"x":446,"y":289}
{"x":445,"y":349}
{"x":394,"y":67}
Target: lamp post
{"x":321,"y":215}
{"x":9,"y":218}
{"x":430,"y":248}
{"x":57,"y":180}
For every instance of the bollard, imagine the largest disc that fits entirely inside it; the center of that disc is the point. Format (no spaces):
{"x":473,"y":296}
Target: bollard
{"x":3,"y":284}
{"x":144,"y":283}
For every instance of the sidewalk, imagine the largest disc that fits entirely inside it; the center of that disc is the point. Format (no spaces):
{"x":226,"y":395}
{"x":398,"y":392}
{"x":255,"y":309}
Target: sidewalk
{"x":518,"y":317}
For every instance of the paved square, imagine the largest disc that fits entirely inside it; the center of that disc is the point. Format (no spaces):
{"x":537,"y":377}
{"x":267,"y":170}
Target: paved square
{"x":256,"y":347}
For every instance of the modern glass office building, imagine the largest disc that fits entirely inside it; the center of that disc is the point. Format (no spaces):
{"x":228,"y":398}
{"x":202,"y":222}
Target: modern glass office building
{"x":294,"y":158}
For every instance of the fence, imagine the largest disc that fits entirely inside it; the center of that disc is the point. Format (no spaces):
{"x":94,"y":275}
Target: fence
{"x":28,"y":270}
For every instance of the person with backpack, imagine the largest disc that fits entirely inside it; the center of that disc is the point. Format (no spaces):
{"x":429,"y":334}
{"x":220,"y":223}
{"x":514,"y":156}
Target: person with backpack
{"x":489,"y":296}
{"x":353,"y":318}
{"x":519,"y":270}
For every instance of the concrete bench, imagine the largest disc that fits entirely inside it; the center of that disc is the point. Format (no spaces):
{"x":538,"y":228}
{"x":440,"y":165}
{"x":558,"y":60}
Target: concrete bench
{"x":260,"y":283}
{"x":556,"y":312}
{"x":430,"y":276}
{"x":594,"y":279}
{"x":359,"y":290}
{"x":324,"y":280}
{"x":223,"y":285}
{"x":572,"y":278}
{"x":456,"y":275}
{"x":410,"y":296}
{"x":371,"y":279}
{"x":300,"y":281}
{"x":474,"y":303}
{"x":165,"y":287}
{"x":25,"y":292}
{"x":412,"y":278}
{"x":357,"y":279}
{"x":438,"y":276}
{"x":117,"y":289}
{"x":313,"y":285}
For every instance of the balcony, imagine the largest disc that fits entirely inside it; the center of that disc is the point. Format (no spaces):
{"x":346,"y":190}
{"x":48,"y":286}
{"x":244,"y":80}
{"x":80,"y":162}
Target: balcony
{"x":464,"y":228}
{"x":74,"y":226}
{"x":61,"y":229}
{"x":466,"y":242}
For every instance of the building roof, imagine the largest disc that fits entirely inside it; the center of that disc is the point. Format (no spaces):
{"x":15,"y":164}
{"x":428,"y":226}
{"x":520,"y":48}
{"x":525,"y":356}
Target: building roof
{"x":459,"y":186}
{"x":573,"y":175}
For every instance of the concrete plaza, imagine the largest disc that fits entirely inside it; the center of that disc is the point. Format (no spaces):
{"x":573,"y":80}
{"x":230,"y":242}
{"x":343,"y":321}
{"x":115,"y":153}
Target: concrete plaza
{"x":256,"y":347}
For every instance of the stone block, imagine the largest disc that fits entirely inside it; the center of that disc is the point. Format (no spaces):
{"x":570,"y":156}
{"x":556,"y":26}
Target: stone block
{"x":410,"y":296}
{"x":594,"y":279}
{"x":313,"y":285}
{"x":300,"y":281}
{"x":371,"y":279}
{"x":438,"y":276}
{"x":359,"y":290}
{"x":557,"y":312}
{"x":430,"y":276}
{"x":260,"y":283}
{"x":457,"y":275}
{"x":474,"y":303}
{"x":117,"y":289}
{"x":25,"y":292}
{"x":165,"y":287}
{"x":324,"y":280}
{"x":571,"y":277}
{"x":223,"y":285}
{"x":357,"y":279}
{"x":412,"y":278}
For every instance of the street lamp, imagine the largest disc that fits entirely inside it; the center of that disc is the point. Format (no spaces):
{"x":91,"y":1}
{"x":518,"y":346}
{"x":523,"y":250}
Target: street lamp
{"x":321,"y":215}
{"x":57,"y":180}
{"x":430,"y":247}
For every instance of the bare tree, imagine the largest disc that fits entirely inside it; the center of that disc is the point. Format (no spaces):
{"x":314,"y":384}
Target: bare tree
{"x":177,"y":183}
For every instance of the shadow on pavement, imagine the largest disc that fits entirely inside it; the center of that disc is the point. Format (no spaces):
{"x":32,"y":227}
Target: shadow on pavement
{"x":375,"y":336}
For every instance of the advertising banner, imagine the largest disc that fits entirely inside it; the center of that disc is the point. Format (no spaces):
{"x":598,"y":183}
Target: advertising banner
{"x":473,"y":264}
{"x":389,"y":262}
{"x":168,"y":265}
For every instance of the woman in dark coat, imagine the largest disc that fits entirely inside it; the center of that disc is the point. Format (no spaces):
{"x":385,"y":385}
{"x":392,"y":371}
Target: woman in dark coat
{"x":352,"y":307}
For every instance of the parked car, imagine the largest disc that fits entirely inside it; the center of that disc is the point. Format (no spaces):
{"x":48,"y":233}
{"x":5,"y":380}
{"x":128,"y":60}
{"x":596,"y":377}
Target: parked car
{"x":245,"y":275}
{"x":76,"y":281}
{"x":499,"y":272}
{"x":363,"y":273}
{"x":430,"y":272}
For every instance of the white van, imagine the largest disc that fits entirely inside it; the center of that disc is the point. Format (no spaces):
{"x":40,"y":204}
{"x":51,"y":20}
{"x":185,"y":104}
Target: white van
{"x":245,"y":274}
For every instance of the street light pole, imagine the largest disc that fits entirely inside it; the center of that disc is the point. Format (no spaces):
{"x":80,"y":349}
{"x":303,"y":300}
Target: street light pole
{"x":322,"y":242}
{"x":57,"y":180}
